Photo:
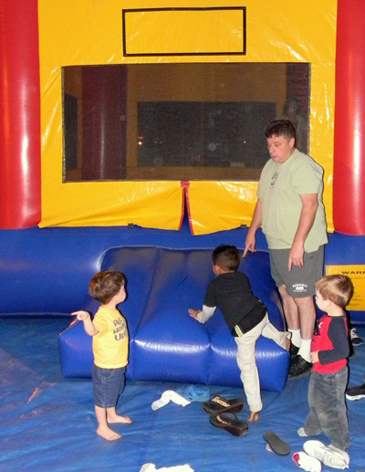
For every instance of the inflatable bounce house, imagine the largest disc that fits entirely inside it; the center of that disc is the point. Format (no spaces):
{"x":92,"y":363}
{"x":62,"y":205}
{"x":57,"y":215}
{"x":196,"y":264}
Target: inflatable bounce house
{"x":132,"y":139}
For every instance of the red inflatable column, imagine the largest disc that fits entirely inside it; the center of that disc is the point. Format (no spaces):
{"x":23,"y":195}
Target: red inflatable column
{"x":349,"y":150}
{"x":20,"y":167}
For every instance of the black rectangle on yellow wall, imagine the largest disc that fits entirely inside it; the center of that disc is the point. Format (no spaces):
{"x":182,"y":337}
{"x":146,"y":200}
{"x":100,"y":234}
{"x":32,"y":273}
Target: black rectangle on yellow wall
{"x":184,"y":31}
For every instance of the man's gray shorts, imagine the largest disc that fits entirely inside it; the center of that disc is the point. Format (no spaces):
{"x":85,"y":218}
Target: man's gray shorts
{"x":299,"y":281}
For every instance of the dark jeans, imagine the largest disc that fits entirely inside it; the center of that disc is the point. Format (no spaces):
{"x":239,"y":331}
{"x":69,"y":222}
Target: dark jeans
{"x":328,"y":411}
{"x":108,"y":384}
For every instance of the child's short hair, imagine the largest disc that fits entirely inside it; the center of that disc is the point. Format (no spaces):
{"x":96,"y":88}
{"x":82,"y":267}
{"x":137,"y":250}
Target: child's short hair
{"x":104,"y":285}
{"x":226,"y":257}
{"x":337,"y":288}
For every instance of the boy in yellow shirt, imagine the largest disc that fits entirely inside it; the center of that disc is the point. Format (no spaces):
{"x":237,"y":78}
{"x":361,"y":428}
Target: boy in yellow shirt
{"x":110,"y":348}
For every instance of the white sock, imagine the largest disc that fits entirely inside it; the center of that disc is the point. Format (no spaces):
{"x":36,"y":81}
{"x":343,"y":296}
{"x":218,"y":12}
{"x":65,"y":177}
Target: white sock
{"x":166,"y":397}
{"x":295,"y":336}
{"x":305,"y":349}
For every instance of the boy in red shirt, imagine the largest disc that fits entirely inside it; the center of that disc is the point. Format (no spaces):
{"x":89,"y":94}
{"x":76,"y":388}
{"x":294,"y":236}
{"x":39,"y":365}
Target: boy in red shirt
{"x":329,"y":352}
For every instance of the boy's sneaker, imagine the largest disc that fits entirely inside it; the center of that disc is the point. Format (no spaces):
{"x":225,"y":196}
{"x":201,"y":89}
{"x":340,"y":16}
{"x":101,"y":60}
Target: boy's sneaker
{"x":269,"y":448}
{"x":293,"y":350}
{"x":307,"y":462}
{"x":355,"y":393}
{"x":342,"y":453}
{"x":329,"y":455}
{"x":355,"y":338}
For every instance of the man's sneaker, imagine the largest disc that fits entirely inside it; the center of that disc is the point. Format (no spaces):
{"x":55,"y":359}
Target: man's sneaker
{"x":329,"y":455}
{"x":299,"y":368}
{"x":355,"y":338}
{"x":355,"y":393}
{"x":307,"y":462}
{"x":293,"y":350}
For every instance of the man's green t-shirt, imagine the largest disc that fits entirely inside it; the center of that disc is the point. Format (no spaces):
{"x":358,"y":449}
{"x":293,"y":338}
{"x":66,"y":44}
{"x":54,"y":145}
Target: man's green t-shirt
{"x":280,"y":187}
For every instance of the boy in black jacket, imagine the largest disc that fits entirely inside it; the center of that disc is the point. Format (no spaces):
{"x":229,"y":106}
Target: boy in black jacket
{"x":245,"y":315}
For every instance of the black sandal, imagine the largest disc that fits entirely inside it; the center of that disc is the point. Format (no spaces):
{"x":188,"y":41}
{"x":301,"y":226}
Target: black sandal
{"x":230,"y":423}
{"x":218,"y":405}
{"x":277,"y":445}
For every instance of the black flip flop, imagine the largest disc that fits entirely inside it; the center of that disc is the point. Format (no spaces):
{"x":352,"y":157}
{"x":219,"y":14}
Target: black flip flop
{"x":230,"y":423}
{"x":219,"y":404}
{"x":277,"y":445}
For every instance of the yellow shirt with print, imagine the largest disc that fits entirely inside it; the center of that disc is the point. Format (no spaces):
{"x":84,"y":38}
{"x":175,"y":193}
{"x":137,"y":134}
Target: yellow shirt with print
{"x":111,"y":344}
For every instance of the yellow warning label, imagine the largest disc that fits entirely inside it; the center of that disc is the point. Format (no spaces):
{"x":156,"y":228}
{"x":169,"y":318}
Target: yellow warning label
{"x":357,"y":274}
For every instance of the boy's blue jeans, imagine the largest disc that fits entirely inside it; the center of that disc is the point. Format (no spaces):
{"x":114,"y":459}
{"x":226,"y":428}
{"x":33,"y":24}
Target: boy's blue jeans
{"x":108,"y":384}
{"x":328,"y":411}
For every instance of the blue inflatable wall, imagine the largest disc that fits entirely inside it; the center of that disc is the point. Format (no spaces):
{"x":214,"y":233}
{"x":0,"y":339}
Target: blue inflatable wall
{"x":166,"y":344}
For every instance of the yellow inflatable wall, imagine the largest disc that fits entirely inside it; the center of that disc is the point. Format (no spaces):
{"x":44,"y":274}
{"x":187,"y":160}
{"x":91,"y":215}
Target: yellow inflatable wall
{"x":85,"y":32}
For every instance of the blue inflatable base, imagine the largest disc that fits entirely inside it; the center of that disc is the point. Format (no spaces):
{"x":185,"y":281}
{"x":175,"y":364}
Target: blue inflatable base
{"x":48,"y":422}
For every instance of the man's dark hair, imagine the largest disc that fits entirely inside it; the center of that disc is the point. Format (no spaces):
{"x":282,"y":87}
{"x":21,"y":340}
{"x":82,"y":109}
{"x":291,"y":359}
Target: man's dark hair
{"x":280,"y":128}
{"x":226,"y":257}
{"x":104,"y":285}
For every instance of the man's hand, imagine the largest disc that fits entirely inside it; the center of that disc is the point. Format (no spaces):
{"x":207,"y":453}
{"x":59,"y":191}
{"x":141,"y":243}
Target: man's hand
{"x":194,"y":313}
{"x":296,"y":256}
{"x":307,"y":216}
{"x":250,"y":244}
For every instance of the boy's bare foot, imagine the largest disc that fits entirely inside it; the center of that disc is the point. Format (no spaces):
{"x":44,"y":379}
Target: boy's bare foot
{"x":120,"y":419}
{"x":108,"y":434}
{"x":254,"y":416}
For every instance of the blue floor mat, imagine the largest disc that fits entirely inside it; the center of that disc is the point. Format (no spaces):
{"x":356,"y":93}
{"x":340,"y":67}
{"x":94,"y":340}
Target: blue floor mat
{"x":48,"y":422}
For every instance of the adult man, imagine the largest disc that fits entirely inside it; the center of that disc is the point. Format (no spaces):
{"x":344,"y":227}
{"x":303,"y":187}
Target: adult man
{"x":291,"y":212}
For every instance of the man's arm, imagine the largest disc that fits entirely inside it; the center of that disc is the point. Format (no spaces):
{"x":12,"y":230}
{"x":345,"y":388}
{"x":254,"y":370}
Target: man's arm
{"x":306,"y":220}
{"x":255,"y":225}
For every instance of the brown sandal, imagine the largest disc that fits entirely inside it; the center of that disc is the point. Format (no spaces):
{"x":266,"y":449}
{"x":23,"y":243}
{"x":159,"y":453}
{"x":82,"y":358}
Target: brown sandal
{"x":230,"y":423}
{"x":219,"y":404}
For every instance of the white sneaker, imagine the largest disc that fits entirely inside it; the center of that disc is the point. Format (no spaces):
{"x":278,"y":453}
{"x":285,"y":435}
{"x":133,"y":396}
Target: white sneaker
{"x":355,"y":338}
{"x":306,"y":462}
{"x":342,"y":453}
{"x":269,"y":448}
{"x":329,"y":455}
{"x":148,"y":468}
